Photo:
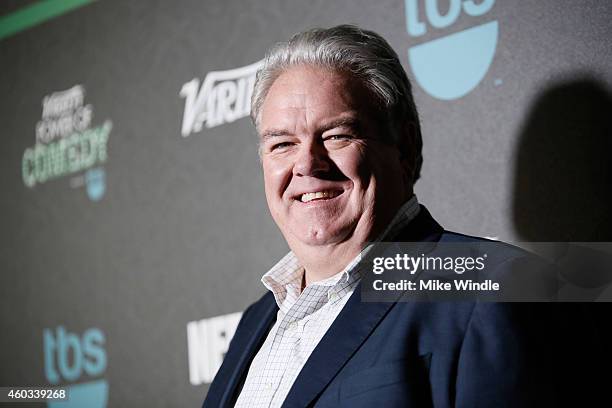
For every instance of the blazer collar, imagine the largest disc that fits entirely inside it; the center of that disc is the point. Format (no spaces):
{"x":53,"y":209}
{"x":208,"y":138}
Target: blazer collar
{"x":422,"y":228}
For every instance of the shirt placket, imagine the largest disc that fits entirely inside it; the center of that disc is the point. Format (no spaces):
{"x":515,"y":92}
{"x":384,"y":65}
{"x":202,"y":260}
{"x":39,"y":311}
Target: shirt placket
{"x":288,"y":337}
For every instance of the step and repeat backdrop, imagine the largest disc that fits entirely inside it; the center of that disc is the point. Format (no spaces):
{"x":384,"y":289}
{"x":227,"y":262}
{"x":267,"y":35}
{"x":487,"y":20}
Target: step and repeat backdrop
{"x":134,"y":227}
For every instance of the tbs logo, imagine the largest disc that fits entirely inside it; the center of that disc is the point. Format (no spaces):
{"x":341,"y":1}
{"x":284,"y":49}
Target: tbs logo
{"x":451,"y":66}
{"x":68,"y":356}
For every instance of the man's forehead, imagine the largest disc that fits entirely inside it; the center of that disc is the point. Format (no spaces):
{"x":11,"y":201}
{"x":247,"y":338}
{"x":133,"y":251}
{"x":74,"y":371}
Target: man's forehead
{"x":314,"y":99}
{"x":304,"y":86}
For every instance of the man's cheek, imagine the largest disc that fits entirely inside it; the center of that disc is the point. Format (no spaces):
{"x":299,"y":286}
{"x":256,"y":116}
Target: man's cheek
{"x":272,"y":197}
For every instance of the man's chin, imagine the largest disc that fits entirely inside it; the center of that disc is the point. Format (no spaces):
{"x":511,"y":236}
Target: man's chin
{"x":319,"y":236}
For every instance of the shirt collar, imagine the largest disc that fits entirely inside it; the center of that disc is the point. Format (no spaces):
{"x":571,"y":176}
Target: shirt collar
{"x":284,"y":279}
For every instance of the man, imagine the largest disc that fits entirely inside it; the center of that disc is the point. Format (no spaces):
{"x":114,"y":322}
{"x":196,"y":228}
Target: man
{"x":341,"y":151}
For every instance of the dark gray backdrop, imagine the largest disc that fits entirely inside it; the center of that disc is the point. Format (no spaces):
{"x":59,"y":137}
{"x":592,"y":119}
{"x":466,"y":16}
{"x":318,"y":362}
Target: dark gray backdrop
{"x":183,"y":233}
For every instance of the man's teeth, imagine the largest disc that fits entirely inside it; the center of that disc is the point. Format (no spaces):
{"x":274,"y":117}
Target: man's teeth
{"x":306,"y":197}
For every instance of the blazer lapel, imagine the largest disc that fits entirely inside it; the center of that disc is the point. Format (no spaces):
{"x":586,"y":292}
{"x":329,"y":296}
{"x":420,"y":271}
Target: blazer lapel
{"x":250,"y":343}
{"x":352,"y":327}
{"x":335,"y":348}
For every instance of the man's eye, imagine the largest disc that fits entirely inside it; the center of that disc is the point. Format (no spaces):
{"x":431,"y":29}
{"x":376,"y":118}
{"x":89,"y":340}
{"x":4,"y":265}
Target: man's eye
{"x":339,"y":137}
{"x":281,"y":145}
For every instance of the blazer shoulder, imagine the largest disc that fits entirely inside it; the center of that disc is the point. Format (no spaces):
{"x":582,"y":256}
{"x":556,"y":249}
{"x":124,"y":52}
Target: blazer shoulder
{"x":502,"y":249}
{"x":453,"y":236}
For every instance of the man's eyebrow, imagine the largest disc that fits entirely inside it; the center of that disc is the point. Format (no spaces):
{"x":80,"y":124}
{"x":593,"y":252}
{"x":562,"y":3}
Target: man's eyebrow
{"x":351,"y":123}
{"x":270,"y":133}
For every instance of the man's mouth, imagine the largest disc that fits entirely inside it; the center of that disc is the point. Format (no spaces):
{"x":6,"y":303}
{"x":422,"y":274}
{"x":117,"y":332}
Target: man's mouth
{"x":319,"y":195}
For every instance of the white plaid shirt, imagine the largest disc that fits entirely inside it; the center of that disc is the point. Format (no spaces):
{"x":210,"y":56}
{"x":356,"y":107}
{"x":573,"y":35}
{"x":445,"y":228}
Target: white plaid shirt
{"x":303,"y":319}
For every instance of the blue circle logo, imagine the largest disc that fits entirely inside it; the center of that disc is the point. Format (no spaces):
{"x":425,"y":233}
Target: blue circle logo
{"x":452,"y":66}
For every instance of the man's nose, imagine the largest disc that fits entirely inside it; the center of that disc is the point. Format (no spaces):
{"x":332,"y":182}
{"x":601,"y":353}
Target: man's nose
{"x":312,"y":159}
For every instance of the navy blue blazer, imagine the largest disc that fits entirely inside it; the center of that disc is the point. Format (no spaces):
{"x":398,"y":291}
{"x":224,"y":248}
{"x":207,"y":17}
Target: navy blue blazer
{"x":427,"y":354}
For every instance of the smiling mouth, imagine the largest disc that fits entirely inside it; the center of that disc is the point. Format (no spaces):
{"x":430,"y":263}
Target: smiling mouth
{"x":319,"y":195}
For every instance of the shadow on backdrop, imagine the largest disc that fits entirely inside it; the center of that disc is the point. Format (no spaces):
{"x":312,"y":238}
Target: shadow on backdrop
{"x":563,"y":172}
{"x":562,"y":191}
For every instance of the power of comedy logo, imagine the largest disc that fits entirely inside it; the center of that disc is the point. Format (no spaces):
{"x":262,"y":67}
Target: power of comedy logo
{"x":451,"y":66}
{"x":68,"y":145}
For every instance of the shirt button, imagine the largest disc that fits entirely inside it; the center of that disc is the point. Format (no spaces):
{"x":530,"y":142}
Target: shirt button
{"x":292,"y":326}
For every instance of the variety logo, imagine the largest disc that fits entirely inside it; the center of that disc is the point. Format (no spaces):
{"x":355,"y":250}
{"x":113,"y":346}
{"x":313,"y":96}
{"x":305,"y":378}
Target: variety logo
{"x":452,"y":66}
{"x":223,"y":97}
{"x":207,"y":343}
{"x":68,"y":358}
{"x":67,"y":144}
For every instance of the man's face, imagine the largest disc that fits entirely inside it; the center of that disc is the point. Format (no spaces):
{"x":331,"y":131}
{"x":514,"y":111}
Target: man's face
{"x":328,"y":175}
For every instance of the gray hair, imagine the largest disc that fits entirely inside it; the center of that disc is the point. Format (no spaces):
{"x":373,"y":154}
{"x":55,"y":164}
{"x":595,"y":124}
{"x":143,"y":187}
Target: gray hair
{"x":364,"y":55}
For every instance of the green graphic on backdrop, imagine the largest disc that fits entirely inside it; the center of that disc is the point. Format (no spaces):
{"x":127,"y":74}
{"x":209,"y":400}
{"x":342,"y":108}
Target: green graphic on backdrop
{"x":35,"y":14}
{"x":72,"y":154}
{"x":67,"y":144}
